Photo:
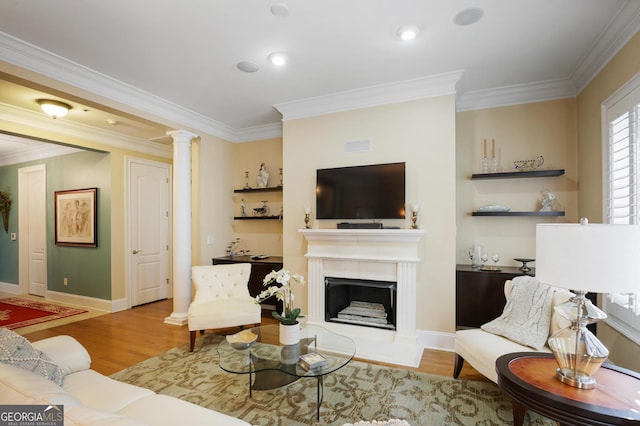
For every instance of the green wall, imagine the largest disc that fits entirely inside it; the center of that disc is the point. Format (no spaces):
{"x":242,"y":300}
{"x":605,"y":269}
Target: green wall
{"x":87,"y":269}
{"x":8,"y":248}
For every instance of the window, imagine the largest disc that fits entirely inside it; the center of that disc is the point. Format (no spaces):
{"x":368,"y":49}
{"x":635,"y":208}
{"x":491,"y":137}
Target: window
{"x":621,"y":139}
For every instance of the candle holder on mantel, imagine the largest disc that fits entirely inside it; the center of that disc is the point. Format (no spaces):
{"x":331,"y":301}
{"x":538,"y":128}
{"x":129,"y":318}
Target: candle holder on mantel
{"x":414,"y":216}
{"x":246,"y":180}
{"x":307,"y":217}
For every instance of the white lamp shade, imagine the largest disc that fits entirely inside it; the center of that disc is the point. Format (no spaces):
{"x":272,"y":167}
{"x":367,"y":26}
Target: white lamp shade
{"x":596,"y":258}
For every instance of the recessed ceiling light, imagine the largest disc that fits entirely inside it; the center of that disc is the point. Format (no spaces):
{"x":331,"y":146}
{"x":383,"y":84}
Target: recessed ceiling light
{"x":408,"y":33}
{"x":280,"y":9}
{"x":278,"y":59}
{"x":468,"y":16}
{"x":247,"y":66}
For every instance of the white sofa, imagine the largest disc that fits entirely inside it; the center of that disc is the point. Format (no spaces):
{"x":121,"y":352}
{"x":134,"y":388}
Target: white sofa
{"x":89,"y":398}
{"x":481,"y":349}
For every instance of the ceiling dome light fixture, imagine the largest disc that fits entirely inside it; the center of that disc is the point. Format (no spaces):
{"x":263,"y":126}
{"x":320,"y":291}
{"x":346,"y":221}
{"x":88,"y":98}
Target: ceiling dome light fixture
{"x":468,"y":16}
{"x":408,"y":33}
{"x":54,"y":109}
{"x":278,"y":59}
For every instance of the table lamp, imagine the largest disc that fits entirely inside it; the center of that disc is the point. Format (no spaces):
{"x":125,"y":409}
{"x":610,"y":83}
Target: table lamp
{"x":598,"y":258}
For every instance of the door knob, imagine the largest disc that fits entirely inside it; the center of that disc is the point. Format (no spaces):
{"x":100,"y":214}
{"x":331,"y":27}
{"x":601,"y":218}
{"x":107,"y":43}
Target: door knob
{"x":136,"y":251}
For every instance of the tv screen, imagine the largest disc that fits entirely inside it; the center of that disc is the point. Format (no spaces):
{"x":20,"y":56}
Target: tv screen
{"x":361,"y":192}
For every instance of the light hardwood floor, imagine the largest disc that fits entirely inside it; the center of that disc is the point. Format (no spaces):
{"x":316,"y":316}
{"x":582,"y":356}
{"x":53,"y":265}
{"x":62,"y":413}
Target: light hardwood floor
{"x":120,"y":340}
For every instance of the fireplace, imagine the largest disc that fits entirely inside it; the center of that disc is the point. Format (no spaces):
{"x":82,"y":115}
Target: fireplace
{"x":373,"y":255}
{"x":366,"y":303}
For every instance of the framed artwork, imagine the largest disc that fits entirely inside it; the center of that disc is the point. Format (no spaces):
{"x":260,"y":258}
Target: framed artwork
{"x":76,"y":217}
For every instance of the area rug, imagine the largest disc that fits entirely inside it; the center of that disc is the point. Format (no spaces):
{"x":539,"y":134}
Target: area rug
{"x":359,"y":391}
{"x":16,"y":312}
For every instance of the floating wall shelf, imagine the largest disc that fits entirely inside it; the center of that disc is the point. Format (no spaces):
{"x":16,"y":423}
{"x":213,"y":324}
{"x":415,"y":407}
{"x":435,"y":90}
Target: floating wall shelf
{"x":512,"y":175}
{"x":517,"y":214}
{"x":268,"y":189}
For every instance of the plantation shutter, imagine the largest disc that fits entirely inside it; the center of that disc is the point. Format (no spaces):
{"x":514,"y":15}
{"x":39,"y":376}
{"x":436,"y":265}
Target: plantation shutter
{"x":622,"y":189}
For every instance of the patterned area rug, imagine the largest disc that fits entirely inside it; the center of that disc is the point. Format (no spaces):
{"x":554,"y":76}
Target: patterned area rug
{"x":16,"y":312}
{"x":359,"y":391}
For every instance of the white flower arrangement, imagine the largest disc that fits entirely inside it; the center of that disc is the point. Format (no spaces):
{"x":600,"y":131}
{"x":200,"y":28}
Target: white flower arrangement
{"x":283,"y":291}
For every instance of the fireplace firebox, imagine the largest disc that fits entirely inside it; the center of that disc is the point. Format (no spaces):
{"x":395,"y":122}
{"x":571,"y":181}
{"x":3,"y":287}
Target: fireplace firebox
{"x":361,"y":302}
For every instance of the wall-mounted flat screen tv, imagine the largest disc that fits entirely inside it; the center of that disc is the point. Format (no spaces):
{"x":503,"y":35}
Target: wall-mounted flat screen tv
{"x":361,"y":192}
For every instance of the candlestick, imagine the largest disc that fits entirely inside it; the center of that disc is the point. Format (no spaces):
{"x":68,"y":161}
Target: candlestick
{"x":493,"y":148}
{"x":484,"y":152}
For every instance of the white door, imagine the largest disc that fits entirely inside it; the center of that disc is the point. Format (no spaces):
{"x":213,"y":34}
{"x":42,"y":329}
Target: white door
{"x":32,"y":229}
{"x":148,"y":204}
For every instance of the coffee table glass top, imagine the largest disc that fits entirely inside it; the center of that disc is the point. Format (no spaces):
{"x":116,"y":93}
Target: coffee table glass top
{"x":267,"y":353}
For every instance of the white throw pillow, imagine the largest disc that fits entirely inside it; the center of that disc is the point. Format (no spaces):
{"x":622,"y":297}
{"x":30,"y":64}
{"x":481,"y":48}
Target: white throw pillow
{"x":527,"y":315}
{"x":16,"y":350}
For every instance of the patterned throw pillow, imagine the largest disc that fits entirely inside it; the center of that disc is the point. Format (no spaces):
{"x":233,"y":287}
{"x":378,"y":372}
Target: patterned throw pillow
{"x":16,"y":350}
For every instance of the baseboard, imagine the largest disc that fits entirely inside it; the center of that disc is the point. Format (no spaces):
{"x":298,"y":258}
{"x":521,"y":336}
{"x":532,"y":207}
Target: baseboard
{"x":436,"y":340}
{"x":9,"y":288}
{"x":87,"y":302}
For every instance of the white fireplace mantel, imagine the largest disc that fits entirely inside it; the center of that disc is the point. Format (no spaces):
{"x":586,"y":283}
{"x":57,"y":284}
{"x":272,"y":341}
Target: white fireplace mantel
{"x":375,"y":254}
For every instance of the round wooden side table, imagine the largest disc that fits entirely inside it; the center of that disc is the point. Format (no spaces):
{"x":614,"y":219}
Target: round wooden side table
{"x":529,"y":379}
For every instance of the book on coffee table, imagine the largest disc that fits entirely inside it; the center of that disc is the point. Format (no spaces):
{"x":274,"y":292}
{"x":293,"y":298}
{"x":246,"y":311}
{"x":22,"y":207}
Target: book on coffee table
{"x":312,"y":361}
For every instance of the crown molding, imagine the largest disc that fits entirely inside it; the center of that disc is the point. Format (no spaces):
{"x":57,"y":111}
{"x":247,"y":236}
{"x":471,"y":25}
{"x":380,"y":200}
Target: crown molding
{"x":38,"y":60}
{"x":268,"y":131}
{"x":60,"y":126}
{"x":621,"y":29}
{"x":402,"y":91}
{"x":516,"y":94}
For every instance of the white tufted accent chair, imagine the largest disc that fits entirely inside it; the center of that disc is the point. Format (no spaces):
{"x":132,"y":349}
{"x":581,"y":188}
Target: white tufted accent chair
{"x":222,"y":299}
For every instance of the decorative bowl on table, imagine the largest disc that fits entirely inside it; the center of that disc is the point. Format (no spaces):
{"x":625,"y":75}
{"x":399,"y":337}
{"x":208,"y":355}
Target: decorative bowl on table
{"x":242,"y":340}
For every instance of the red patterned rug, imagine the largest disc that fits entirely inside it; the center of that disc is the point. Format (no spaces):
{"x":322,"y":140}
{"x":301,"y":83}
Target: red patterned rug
{"x":16,"y":312}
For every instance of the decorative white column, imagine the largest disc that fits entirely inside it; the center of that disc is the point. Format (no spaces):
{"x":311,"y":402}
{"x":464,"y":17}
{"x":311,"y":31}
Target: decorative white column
{"x":181,"y":226}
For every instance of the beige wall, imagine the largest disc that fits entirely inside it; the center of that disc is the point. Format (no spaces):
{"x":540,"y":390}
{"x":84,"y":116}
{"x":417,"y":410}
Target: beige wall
{"x":259,"y":236}
{"x":420,"y":133}
{"x":521,"y":132}
{"x":620,"y":69}
{"x":212,"y":172}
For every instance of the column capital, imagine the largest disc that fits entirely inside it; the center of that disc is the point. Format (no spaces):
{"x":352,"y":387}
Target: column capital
{"x":181,"y":135}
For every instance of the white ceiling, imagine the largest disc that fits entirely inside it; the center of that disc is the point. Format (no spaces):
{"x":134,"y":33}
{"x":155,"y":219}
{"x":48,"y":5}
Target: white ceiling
{"x":185,"y":53}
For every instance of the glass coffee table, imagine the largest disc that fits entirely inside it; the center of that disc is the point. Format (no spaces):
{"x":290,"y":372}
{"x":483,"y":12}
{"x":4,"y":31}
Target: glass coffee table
{"x":270,"y":364}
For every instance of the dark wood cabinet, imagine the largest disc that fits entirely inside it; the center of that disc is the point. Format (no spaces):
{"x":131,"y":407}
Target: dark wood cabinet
{"x":480,"y":294}
{"x":259,"y":269}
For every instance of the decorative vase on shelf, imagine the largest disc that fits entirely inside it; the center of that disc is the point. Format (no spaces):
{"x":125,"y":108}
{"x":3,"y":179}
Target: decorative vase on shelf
{"x":290,"y":334}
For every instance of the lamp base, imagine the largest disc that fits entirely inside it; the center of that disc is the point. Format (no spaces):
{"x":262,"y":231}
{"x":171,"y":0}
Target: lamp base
{"x":578,"y":352}
{"x":581,"y":382}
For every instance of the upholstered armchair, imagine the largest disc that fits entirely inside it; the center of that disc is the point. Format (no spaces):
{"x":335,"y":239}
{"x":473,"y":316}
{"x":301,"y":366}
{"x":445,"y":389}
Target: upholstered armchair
{"x":221,"y":299}
{"x":481,"y":348}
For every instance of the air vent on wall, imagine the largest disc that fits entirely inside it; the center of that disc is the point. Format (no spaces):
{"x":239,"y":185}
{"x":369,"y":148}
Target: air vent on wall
{"x":358,"y":146}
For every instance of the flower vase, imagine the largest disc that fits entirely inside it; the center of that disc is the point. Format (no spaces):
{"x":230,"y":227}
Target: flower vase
{"x":5,"y":220}
{"x":290,"y":334}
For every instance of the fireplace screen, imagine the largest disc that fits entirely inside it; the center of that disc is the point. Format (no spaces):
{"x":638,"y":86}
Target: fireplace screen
{"x":361,"y":302}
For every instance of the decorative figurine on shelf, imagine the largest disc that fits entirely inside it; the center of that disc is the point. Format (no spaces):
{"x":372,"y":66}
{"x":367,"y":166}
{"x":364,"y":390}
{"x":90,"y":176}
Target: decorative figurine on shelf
{"x":547,"y":201}
{"x":528,"y":165}
{"x":263,"y":176}
{"x":280,"y":177}
{"x":243,"y":209}
{"x":261,"y":211}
